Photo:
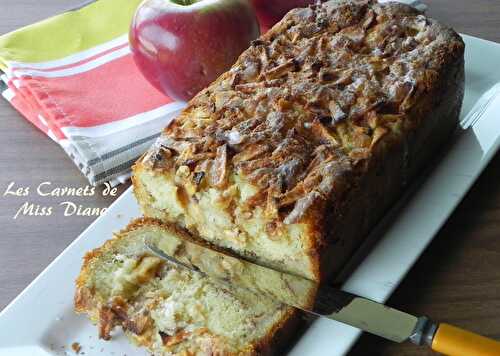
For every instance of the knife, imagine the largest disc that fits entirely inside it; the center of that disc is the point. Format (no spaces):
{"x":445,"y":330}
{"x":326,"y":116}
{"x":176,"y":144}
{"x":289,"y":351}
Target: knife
{"x":237,"y":274}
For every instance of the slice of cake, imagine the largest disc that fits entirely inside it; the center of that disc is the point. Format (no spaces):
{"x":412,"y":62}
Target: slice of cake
{"x":293,"y":155}
{"x":170,"y":310}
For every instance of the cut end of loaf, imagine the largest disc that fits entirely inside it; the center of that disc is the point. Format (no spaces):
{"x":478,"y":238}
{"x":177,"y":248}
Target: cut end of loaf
{"x":224,"y":218}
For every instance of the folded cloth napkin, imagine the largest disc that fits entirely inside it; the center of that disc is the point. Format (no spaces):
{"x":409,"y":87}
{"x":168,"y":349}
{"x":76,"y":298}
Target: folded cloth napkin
{"x":74,"y":78}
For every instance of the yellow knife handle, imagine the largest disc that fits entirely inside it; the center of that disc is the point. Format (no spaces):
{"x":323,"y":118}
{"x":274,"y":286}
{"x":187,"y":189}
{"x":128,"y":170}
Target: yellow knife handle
{"x":453,"y":341}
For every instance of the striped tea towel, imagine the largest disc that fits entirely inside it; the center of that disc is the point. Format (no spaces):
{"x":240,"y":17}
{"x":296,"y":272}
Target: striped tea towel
{"x":74,"y":78}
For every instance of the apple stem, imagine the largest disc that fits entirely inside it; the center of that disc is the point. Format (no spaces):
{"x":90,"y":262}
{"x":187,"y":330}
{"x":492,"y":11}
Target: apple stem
{"x":184,"y":2}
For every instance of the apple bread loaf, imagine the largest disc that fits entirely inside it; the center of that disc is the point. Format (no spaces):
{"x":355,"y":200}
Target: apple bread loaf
{"x":293,"y":155}
{"x":170,"y":310}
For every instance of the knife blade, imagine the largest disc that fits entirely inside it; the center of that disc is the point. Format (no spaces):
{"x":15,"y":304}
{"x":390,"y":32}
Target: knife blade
{"x":320,"y":300}
{"x":289,"y":289}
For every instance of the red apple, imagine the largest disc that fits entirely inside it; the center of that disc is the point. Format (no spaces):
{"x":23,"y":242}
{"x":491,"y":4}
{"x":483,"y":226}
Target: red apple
{"x":181,"y":46}
{"x":270,"y":12}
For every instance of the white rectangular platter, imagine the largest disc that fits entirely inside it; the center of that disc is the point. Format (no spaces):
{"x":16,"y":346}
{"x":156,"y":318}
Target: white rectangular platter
{"x":40,"y":321}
